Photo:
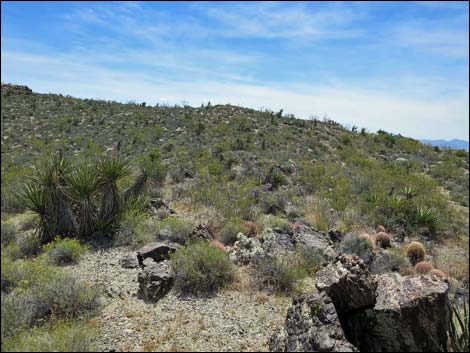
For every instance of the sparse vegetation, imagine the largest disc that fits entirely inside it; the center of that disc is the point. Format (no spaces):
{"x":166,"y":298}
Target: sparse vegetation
{"x":200,"y":268}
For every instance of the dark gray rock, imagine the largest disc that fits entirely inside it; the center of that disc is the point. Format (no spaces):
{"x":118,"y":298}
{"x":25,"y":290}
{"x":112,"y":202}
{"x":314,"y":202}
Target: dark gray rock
{"x":158,"y":251}
{"x":155,"y":281}
{"x":348,"y":283}
{"x":410,"y":315}
{"x":312,"y":325}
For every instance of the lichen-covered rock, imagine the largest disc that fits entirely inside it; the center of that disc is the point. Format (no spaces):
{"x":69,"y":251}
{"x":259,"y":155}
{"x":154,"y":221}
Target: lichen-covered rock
{"x":307,"y":237}
{"x":348,"y":283}
{"x":158,"y":251}
{"x":155,"y":281}
{"x":410,"y":315}
{"x":311,"y":325}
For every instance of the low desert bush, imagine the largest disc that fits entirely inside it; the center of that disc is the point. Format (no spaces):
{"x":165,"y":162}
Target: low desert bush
{"x":27,"y":244}
{"x":415,"y":252}
{"x":65,"y":251}
{"x":72,"y":336}
{"x":310,"y":259}
{"x":174,"y":229}
{"x":201,"y":267}
{"x":423,"y":267}
{"x":280,"y":274}
{"x":228,"y":233}
{"x":8,"y":232}
{"x":361,"y":247}
{"x":135,"y":230}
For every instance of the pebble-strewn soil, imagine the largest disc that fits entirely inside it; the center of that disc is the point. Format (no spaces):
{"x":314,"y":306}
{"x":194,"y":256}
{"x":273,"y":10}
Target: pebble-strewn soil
{"x":236,"y":319}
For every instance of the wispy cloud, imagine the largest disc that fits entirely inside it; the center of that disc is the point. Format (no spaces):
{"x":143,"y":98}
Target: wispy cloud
{"x":387,"y":65}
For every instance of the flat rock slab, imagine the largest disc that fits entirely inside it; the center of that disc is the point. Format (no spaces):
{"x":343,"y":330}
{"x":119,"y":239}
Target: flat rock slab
{"x":158,"y":251}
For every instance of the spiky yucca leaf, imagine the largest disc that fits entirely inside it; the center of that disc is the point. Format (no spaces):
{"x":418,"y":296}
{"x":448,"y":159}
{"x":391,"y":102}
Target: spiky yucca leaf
{"x":110,"y":171}
{"x":408,"y":191}
{"x":426,"y":216}
{"x":83,"y":185}
{"x":459,"y":328}
{"x":33,"y":197}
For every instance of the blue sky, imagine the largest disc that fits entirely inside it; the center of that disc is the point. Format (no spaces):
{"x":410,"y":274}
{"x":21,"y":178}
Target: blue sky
{"x":398,"y":66}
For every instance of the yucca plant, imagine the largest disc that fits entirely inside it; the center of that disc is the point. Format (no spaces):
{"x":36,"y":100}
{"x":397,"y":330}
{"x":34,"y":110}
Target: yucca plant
{"x":110,"y":171}
{"x":83,"y":186}
{"x":459,"y":327}
{"x":408,"y":191}
{"x":51,"y":178}
{"x":33,"y":197}
{"x":425,"y":216}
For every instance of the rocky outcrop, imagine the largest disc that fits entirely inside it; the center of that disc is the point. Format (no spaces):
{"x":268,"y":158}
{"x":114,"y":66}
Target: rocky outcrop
{"x":378,"y":313}
{"x":312,"y":325}
{"x":410,"y":315}
{"x":158,"y":251}
{"x":155,"y":281}
{"x":348,"y":283}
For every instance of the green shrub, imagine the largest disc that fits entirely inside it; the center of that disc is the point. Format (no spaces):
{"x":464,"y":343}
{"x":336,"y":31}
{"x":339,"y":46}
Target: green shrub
{"x":8,"y":232}
{"x":174,"y":229}
{"x":28,"y":244}
{"x":17,"y":314}
{"x":279,"y":274}
{"x":228,"y":233}
{"x":65,"y":251}
{"x":62,"y":296}
{"x":359,"y":246}
{"x":201,"y":267}
{"x":135,"y":230}
{"x":310,"y":259}
{"x":415,"y":252}
{"x":73,"y":336}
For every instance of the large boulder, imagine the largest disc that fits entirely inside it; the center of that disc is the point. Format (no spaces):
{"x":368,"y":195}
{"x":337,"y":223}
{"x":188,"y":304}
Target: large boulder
{"x":155,"y":281}
{"x":312,"y":325}
{"x":348,"y":283}
{"x":158,"y":251}
{"x":410,"y":315}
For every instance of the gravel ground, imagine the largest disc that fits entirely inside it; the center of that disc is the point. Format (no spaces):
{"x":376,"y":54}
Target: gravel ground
{"x":236,"y":319}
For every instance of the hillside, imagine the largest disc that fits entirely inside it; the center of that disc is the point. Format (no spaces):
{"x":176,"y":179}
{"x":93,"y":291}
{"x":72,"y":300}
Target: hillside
{"x":284,"y":203}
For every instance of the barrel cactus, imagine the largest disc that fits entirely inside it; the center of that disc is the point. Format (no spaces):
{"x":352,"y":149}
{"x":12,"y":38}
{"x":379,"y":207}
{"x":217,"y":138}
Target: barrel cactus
{"x":415,"y":252}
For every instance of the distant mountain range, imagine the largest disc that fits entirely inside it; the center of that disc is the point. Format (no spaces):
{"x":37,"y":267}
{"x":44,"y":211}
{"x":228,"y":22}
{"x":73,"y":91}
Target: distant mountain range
{"x":455,"y":143}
